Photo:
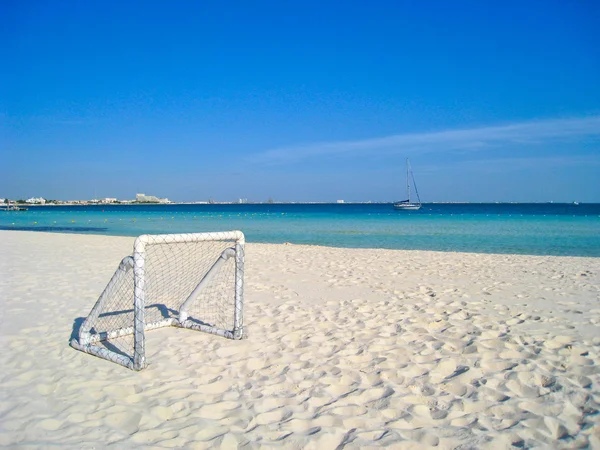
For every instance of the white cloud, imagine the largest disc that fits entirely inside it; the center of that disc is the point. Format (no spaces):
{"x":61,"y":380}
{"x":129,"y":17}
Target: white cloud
{"x":508,"y":165}
{"x":531,"y":132}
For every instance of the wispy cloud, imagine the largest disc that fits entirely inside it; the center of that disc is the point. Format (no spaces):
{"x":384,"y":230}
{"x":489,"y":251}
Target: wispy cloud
{"x":470,"y":139}
{"x":512,"y":164}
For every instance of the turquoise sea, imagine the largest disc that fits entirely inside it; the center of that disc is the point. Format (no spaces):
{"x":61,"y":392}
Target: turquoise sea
{"x":535,"y":229}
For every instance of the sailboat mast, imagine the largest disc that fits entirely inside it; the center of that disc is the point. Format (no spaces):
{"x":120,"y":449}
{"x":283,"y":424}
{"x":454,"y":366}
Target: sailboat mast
{"x":407,"y":181}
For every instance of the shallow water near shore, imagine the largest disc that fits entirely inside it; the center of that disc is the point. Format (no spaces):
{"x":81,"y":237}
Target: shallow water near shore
{"x":534,"y":229}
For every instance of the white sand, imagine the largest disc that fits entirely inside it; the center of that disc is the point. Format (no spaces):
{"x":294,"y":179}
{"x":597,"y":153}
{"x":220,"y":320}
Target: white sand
{"x":354,"y":348}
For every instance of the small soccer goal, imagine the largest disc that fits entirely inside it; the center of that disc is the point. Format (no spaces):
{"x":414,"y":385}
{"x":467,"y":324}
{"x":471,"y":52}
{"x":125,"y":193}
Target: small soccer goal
{"x":191,"y":281}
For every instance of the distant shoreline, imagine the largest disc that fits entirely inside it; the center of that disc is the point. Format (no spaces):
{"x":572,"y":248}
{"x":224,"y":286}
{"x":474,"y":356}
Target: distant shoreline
{"x":300,"y":203}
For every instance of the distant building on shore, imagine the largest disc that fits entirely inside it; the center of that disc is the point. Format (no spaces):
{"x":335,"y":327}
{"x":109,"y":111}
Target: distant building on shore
{"x":36,"y":201}
{"x":143,"y":198}
{"x":340,"y":201}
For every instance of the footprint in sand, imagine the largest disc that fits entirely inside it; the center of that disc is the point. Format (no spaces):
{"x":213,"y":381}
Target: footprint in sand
{"x":218,"y":411}
{"x":350,"y":410}
{"x":338,"y":390}
{"x":230,"y":350}
{"x":271,"y":403}
{"x":216,"y":388}
{"x":163,"y":412}
{"x":497,"y":365}
{"x":51,"y":424}
{"x":522,"y":390}
{"x":76,"y":418}
{"x":306,"y":427}
{"x":456,"y":388}
{"x":208,"y":433}
{"x":277,"y":415}
{"x":429,"y":412}
{"x":125,"y":422}
{"x":45,"y":389}
{"x":374,"y":394}
{"x":120,"y":391}
{"x":150,"y":437}
{"x":256,"y":363}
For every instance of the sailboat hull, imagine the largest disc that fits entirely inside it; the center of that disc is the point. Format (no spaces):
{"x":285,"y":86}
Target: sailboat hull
{"x":407,"y":206}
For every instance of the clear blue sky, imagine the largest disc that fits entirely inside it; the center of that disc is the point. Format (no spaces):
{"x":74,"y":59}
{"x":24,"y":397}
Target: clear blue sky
{"x":314,"y":101}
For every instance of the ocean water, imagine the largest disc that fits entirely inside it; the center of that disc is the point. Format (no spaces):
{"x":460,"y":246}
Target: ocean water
{"x":535,"y":229}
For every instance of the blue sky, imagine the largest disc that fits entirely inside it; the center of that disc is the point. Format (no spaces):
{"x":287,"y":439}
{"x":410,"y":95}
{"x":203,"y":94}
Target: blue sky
{"x":302,"y":101}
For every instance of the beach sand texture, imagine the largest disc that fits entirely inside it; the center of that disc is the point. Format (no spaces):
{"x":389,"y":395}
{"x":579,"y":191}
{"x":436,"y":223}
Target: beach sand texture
{"x":347,"y":348}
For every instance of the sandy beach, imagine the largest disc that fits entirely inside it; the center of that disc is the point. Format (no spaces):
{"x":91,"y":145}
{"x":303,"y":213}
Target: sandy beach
{"x":346,"y":348}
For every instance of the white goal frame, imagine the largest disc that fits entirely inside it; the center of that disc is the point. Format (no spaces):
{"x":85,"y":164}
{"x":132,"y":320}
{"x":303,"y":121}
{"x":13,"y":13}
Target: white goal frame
{"x":87,"y":341}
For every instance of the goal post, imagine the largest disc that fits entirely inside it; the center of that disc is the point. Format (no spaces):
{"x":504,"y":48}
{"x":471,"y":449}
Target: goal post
{"x":193,"y":281}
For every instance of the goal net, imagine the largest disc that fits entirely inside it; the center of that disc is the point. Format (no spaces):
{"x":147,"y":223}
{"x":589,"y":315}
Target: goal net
{"x":184,"y":280}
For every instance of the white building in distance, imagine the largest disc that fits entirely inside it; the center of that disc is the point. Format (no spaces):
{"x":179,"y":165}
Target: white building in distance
{"x":143,"y":198}
{"x":36,"y":201}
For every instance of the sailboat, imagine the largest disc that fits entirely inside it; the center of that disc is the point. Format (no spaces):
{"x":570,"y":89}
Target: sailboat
{"x":407,"y":205}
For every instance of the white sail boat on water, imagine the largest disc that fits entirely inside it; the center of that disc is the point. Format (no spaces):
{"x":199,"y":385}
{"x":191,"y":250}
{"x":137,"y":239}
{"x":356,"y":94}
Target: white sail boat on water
{"x":407,"y":205}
